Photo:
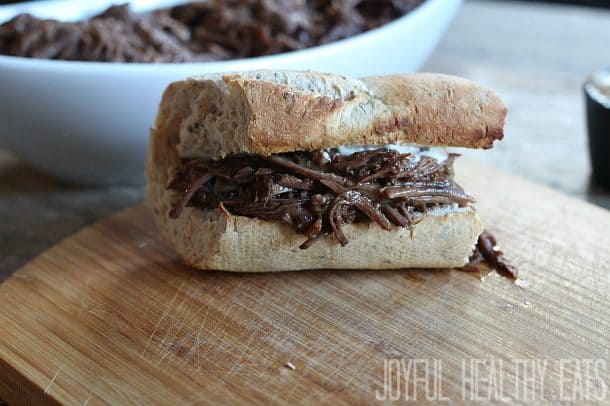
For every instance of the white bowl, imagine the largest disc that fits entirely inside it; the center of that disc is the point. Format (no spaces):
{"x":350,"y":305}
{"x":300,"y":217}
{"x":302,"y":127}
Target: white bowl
{"x":90,"y":121}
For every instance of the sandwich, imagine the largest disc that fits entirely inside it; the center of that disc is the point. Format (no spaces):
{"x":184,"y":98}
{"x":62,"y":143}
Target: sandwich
{"x":286,"y":170}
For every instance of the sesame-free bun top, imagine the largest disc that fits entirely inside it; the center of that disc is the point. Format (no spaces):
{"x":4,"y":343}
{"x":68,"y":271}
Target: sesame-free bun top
{"x":266,"y":112}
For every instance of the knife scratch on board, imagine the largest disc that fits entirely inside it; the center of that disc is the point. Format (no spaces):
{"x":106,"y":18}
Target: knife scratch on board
{"x":331,"y":350}
{"x":196,"y":348}
{"x":83,"y":306}
{"x":172,"y":348}
{"x":238,"y":364}
{"x":86,"y":402}
{"x":123,"y":391}
{"x":46,"y":390}
{"x":91,"y":358}
{"x":165,"y":312}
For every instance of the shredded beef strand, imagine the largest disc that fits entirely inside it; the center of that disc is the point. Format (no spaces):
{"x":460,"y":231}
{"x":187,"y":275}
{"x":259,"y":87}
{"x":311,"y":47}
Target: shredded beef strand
{"x":487,"y":251}
{"x":319,"y":192}
{"x":314,"y":229}
{"x":181,"y":203}
{"x":293,"y":182}
{"x":313,"y":240}
{"x":394,"y":216}
{"x":335,"y":219}
{"x":302,"y":170}
{"x":356,"y":161}
{"x":334,"y":186}
{"x":391,"y":167}
{"x":367,"y":207}
{"x":430,"y":194}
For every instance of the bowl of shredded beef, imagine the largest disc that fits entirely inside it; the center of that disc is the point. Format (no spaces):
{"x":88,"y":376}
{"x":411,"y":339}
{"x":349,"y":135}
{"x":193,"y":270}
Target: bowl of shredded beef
{"x":197,"y":31}
{"x":81,"y":81}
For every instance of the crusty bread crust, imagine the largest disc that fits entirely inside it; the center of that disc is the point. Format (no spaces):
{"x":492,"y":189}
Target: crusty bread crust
{"x":267,"y":112}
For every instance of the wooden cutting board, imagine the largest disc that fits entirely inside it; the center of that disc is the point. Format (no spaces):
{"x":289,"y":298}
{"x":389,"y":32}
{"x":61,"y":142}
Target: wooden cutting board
{"x":109,"y":316}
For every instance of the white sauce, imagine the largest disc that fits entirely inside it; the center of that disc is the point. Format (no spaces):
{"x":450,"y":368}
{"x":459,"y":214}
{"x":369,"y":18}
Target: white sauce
{"x":326,"y":156}
{"x":438,"y":153}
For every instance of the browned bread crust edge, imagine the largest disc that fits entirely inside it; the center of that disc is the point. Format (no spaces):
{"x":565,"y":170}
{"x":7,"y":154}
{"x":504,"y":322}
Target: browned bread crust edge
{"x":267,"y":112}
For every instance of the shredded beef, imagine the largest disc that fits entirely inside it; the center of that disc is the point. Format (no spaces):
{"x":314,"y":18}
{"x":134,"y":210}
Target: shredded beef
{"x":318,"y":197}
{"x":487,"y":251}
{"x":198,"y":31}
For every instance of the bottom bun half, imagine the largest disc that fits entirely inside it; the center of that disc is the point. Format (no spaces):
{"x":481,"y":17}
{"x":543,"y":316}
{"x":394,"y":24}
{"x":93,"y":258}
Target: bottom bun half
{"x":212,"y":240}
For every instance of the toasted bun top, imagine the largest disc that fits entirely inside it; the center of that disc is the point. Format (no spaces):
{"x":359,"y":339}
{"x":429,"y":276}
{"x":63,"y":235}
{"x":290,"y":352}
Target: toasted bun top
{"x":266,"y":112}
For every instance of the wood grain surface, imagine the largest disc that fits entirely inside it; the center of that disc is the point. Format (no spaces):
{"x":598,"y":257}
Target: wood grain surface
{"x":109,"y":316}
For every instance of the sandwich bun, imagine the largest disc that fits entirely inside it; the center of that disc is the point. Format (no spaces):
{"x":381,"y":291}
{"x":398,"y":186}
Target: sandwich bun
{"x":272,"y":112}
